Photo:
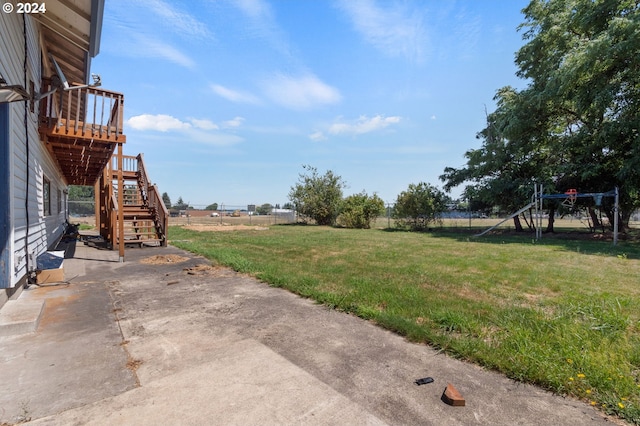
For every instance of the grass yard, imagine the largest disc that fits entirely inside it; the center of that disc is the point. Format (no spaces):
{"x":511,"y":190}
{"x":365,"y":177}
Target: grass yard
{"x":559,"y":313}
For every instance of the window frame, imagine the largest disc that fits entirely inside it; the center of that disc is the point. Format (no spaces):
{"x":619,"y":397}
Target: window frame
{"x":46,"y":196}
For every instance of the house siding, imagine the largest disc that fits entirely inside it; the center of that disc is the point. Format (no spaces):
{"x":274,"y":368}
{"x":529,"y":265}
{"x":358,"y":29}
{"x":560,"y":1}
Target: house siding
{"x":30,"y":231}
{"x":5,"y":200}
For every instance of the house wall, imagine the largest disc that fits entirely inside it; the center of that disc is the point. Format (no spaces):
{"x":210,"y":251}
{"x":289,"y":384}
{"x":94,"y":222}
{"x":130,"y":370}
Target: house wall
{"x":31,"y":231}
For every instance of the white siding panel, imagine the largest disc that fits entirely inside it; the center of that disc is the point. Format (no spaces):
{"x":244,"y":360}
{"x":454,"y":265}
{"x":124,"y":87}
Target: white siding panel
{"x":27,"y":179}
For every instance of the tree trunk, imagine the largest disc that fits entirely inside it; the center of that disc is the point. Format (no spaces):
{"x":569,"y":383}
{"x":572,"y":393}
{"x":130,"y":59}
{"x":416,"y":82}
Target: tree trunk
{"x":623,"y":220}
{"x":552,"y":219}
{"x":526,"y":221}
{"x":517,"y":224}
{"x":594,"y":219}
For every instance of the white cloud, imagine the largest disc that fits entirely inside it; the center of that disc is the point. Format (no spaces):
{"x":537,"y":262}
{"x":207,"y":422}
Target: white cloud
{"x":147,"y":47}
{"x":234,"y":95}
{"x":262,"y":23}
{"x":394,"y":29}
{"x":196,"y":130}
{"x":235,"y":122}
{"x":179,"y":22}
{"x":255,"y":9}
{"x":303,"y":92}
{"x":317,"y":136}
{"x":363,"y":125}
{"x":159,"y":122}
{"x":150,"y":38}
{"x":204,"y":124}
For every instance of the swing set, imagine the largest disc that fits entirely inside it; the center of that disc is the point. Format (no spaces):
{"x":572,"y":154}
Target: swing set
{"x":569,"y":199}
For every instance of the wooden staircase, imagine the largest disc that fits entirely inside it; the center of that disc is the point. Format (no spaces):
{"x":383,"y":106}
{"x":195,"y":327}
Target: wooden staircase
{"x":144,"y":215}
{"x":82,"y":128}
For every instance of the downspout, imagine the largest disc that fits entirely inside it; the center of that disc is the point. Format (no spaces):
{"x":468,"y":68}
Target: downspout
{"x":30,"y":276}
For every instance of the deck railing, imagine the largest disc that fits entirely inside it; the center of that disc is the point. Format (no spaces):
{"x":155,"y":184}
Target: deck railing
{"x":152,"y":198}
{"x":88,"y":112}
{"x":150,"y":195}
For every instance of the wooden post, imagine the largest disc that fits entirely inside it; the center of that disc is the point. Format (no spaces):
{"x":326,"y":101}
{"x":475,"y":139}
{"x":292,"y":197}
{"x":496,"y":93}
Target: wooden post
{"x":616,"y":211}
{"x":120,"y":204}
{"x":97,"y":196}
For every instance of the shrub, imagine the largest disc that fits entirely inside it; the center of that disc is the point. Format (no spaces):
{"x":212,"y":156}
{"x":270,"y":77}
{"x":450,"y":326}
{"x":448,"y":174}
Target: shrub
{"x":317,"y":197}
{"x":359,"y":210}
{"x":419,"y":206}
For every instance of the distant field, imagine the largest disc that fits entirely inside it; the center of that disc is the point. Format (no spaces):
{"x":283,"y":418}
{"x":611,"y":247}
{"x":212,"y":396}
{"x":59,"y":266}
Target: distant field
{"x":464,"y":225}
{"x":561,"y":313}
{"x":382,"y":222}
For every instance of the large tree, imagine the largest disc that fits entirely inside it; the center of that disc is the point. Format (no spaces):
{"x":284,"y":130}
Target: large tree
{"x":317,"y":197}
{"x":166,"y":200}
{"x":180,"y":205}
{"x":576,"y":123}
{"x":515,"y":154}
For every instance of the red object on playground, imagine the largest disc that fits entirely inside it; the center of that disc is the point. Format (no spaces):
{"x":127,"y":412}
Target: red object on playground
{"x":571,"y":193}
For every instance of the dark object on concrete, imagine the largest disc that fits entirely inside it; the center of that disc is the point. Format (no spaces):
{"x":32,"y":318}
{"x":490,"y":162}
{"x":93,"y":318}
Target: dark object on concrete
{"x":49,"y":260}
{"x":452,"y":397}
{"x":424,"y":381}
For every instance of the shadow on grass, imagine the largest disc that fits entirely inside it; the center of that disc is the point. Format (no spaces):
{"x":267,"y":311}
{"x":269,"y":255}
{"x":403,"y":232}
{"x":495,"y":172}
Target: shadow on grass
{"x":579,"y":242}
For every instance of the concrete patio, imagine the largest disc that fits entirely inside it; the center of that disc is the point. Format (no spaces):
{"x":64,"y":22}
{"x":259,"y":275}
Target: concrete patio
{"x":167,"y":338}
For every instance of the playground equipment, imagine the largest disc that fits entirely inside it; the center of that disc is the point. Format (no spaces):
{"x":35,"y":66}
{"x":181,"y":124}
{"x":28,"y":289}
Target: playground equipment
{"x":569,"y":199}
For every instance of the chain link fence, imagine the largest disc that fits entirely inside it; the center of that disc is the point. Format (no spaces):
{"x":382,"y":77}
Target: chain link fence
{"x":231,"y":215}
{"x":252,"y":215}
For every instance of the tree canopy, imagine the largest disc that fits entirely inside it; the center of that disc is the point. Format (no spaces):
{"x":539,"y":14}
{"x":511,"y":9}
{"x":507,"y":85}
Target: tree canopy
{"x":575,"y":124}
{"x":180,"y":205}
{"x":166,"y":200}
{"x":264,"y":209}
{"x":317,"y":197}
{"x":81,"y":193}
{"x":420,"y":205}
{"x":360,"y":210}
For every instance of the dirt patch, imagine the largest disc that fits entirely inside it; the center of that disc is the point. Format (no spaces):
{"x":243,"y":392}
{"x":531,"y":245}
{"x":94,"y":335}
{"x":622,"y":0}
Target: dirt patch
{"x":203,"y":269}
{"x":164,"y":259}
{"x":224,"y":227}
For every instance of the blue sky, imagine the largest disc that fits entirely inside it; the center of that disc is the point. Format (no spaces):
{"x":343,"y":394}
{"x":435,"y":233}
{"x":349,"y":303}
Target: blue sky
{"x":228,"y":99}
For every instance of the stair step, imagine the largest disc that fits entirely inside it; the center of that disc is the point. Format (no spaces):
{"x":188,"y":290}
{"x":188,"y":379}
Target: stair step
{"x":153,"y":242}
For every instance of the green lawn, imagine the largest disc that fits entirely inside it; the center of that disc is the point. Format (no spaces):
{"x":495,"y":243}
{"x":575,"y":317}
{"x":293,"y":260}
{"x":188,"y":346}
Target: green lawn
{"x":558,"y":313}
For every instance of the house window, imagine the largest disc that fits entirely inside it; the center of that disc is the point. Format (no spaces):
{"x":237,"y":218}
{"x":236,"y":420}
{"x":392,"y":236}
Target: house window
{"x":59,"y":201}
{"x":46,"y":196}
{"x":32,"y":103}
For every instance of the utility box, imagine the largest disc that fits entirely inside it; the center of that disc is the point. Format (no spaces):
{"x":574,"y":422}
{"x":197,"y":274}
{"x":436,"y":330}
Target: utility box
{"x":50,"y":267}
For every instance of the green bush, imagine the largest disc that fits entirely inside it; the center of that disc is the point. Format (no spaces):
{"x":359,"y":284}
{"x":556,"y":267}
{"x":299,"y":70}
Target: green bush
{"x":419,"y":206}
{"x":359,"y":210}
{"x":317,"y":197}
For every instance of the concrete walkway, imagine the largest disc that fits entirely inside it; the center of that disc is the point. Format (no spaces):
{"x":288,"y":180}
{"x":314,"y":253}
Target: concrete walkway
{"x":165,"y":338}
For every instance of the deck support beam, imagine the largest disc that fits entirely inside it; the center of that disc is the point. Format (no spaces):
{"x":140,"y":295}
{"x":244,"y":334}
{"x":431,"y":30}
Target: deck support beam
{"x":120,"y":205}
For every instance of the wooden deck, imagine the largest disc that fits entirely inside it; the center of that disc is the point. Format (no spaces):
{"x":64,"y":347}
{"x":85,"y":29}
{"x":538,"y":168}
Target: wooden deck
{"x":81,"y":128}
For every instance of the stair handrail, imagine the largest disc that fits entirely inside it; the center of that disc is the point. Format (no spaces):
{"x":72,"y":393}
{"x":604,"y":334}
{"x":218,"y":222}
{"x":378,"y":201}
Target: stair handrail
{"x":162,"y":214}
{"x":143,"y":179}
{"x":153,"y":200}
